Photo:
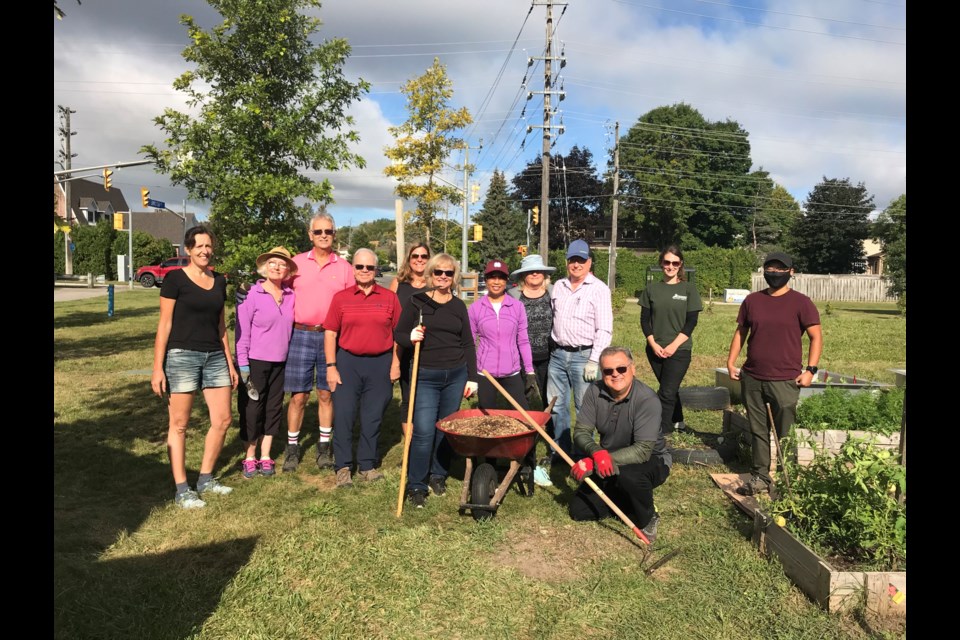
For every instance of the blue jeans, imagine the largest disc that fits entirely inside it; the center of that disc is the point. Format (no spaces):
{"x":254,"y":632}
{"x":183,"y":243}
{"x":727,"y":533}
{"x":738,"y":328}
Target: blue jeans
{"x":438,"y":394}
{"x":566,"y":373}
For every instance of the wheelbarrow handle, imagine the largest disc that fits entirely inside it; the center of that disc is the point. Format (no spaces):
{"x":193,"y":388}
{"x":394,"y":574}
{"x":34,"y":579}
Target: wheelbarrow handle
{"x":553,"y":444}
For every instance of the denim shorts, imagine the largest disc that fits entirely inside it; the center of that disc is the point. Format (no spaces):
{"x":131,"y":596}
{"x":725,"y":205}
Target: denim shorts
{"x":188,"y":371}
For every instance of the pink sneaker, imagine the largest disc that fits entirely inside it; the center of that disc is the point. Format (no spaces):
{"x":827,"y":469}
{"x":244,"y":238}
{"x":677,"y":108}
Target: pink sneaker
{"x":249,"y":469}
{"x":266,"y":467}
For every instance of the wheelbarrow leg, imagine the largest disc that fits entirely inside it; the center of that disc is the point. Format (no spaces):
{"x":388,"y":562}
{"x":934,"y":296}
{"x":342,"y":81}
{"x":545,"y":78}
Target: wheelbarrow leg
{"x":505,"y":485}
{"x":467,"y":474}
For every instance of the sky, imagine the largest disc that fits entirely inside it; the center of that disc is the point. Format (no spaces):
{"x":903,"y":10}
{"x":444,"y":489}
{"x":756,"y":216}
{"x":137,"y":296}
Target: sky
{"x":819,"y":85}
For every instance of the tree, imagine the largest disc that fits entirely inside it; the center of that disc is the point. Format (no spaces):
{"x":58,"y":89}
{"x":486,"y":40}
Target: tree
{"x":504,"y":224}
{"x":773,"y":215}
{"x":686,"y":179}
{"x":270,"y":103}
{"x":828,"y":237}
{"x":146,"y":249}
{"x":423,"y":142}
{"x":575,"y":194}
{"x":890,"y":230}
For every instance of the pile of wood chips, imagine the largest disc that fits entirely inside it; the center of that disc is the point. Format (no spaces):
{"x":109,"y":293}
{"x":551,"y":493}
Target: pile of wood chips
{"x":486,"y":426}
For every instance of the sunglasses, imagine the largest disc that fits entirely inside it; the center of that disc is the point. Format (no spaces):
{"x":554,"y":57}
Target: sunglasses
{"x":671,"y":263}
{"x":622,"y":369}
{"x":419,"y":256}
{"x":323,"y":232}
{"x":365,"y":267}
{"x":443,"y":272}
{"x":577,"y":260}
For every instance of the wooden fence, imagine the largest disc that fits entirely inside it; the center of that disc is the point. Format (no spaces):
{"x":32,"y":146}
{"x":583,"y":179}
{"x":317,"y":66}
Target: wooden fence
{"x":841,"y":288}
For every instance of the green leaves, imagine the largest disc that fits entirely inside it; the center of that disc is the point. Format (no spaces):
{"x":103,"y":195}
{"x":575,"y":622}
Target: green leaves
{"x":877,"y":411}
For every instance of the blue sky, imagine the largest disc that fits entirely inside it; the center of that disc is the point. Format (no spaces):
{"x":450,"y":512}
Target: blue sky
{"x":819,"y":85}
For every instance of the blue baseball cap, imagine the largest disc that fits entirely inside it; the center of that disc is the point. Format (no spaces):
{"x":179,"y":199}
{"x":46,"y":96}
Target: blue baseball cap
{"x":578,"y":249}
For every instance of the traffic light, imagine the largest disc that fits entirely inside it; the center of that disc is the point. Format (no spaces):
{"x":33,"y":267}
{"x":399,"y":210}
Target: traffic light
{"x":107,"y":179}
{"x":145,"y":196}
{"x":474,"y":193}
{"x":478,"y":233}
{"x":522,"y":249}
{"x":536,"y":215}
{"x":118,"y":221}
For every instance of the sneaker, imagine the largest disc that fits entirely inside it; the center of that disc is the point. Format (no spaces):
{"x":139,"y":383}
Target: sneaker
{"x":249,"y":469}
{"x":343,"y":478}
{"x":541,"y":477}
{"x":650,"y":531}
{"x":755,"y":486}
{"x":438,"y":485}
{"x":189,"y":499}
{"x":371,"y":475}
{"x":418,"y":497}
{"x":291,"y":458}
{"x":214,"y":486}
{"x":324,"y":456}
{"x":680,"y":426}
{"x":267,"y":467}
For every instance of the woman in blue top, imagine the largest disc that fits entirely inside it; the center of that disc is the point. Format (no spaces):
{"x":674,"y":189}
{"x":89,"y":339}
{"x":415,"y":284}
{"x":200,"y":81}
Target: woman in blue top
{"x":668,"y":314}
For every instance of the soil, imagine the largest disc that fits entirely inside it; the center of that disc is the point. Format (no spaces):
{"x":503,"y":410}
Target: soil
{"x":485,"y":426}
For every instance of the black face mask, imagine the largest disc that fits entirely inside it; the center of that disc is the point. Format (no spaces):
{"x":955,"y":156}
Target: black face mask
{"x":775,"y":279}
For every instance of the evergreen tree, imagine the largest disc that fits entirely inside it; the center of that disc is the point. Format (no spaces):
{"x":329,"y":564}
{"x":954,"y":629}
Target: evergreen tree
{"x":828,"y":237}
{"x":890,"y":230}
{"x":504,"y":223}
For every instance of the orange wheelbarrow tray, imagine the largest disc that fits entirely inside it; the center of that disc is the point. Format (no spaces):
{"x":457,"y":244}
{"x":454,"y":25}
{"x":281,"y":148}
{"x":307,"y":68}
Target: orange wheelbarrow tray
{"x":482,"y":490}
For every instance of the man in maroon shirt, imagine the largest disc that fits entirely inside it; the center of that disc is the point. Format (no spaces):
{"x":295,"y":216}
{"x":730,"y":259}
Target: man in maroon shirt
{"x":363,"y":318}
{"x":775,"y":320}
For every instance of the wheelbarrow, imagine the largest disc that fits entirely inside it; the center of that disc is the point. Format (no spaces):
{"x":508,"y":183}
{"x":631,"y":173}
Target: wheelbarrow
{"x":482,"y":493}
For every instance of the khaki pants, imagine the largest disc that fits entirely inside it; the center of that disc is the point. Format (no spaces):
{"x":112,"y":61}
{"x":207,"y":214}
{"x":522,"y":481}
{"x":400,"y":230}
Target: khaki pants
{"x":782,"y":396}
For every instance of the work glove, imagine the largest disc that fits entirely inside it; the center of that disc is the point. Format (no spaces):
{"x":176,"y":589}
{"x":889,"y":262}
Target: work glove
{"x":252,"y":392}
{"x":591,"y":372}
{"x":605,"y":466}
{"x":242,"y":290}
{"x":417,"y":334}
{"x":470,"y":389}
{"x":582,"y":469}
{"x":531,"y":389}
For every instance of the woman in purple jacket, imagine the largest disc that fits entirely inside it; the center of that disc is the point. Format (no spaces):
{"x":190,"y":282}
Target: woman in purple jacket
{"x":264,"y":326}
{"x":499,"y":325}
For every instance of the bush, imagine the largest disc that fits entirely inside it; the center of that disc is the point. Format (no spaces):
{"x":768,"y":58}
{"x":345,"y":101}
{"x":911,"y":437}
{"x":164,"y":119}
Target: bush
{"x":94,"y":252}
{"x":877,"y":411}
{"x":147,"y":250}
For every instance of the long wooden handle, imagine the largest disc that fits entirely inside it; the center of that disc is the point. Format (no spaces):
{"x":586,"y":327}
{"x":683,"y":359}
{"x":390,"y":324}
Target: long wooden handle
{"x":590,"y":483}
{"x":407,"y":429}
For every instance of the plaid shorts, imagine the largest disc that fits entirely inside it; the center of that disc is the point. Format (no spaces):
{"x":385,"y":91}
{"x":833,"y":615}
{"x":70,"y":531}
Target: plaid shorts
{"x":305,"y":358}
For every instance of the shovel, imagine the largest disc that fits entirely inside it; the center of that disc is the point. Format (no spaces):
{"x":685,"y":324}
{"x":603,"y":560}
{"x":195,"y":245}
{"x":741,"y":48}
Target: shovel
{"x":590,"y":483}
{"x":407,"y":429}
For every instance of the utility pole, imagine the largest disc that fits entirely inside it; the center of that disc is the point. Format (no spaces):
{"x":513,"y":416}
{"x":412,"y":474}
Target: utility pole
{"x":398,"y":213}
{"x":464,"y":257}
{"x":548,"y":58}
{"x":612,"y":267}
{"x":67,"y":155}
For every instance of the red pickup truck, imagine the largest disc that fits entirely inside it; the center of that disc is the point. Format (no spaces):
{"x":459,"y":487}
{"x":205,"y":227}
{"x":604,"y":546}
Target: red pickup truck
{"x":153,"y":275}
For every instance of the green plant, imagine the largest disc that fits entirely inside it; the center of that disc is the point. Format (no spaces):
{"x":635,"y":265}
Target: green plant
{"x":618,"y":299}
{"x":847,"y":504}
{"x":828,"y":309}
{"x":877,"y":411}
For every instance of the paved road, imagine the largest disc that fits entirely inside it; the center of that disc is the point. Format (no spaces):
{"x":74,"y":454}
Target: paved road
{"x":63,"y":293}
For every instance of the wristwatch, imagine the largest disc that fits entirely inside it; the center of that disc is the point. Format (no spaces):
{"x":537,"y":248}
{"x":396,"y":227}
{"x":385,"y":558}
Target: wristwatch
{"x":333,"y":364}
{"x":812,"y":370}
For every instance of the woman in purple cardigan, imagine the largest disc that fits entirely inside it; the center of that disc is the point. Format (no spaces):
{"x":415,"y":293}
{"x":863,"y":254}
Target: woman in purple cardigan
{"x":264,"y":326}
{"x":499,"y":325}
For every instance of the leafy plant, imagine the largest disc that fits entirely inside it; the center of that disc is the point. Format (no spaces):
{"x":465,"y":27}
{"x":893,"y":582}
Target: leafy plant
{"x":877,"y":411}
{"x":848,"y":504}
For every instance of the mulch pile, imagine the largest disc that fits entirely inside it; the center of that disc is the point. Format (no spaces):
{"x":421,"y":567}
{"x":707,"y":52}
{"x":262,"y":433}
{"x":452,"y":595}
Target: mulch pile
{"x":485,"y":426}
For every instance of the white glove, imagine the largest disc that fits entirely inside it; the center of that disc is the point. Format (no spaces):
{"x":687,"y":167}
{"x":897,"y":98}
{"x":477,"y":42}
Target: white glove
{"x":417,"y":334}
{"x":470,"y":390}
{"x":591,"y":372}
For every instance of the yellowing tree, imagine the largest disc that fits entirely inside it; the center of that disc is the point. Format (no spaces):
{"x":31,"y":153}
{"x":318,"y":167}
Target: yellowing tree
{"x":423,"y":143}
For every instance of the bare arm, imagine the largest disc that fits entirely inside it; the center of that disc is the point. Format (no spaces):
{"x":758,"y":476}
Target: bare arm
{"x":225,"y":340}
{"x":158,"y":380}
{"x":739,"y":337}
{"x":330,"y":349}
{"x":815,"y":334}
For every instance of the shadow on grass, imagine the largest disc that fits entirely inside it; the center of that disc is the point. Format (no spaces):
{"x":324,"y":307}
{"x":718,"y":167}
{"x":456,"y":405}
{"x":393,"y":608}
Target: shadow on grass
{"x":93,"y":318}
{"x":102,"y":346}
{"x":165,"y":595}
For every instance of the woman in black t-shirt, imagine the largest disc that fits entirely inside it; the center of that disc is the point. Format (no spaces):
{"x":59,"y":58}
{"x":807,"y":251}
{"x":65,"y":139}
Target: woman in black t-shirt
{"x":411,"y":278}
{"x":192,"y":352}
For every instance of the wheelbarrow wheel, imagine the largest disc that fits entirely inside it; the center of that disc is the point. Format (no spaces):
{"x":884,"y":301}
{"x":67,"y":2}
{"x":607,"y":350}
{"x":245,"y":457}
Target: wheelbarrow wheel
{"x":483,"y":486}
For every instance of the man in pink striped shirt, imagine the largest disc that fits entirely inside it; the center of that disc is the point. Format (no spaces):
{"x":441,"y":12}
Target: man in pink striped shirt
{"x":582,"y":328}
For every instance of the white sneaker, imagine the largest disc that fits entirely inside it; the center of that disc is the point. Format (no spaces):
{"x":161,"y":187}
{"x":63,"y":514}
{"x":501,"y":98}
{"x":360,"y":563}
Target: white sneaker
{"x":189,"y":500}
{"x":541,"y":477}
{"x":214,"y":486}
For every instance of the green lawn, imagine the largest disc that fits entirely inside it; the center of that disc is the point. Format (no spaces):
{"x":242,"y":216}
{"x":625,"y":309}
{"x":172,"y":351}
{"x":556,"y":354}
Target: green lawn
{"x":291,"y":557}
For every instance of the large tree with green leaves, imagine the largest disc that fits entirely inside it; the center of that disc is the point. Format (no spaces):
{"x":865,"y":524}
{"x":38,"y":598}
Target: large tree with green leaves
{"x":828,"y":237}
{"x":423,"y":143}
{"x":267,"y":104}
{"x":503,"y":222}
{"x":686,"y":179}
{"x":890,"y":230}
{"x":772,"y":216}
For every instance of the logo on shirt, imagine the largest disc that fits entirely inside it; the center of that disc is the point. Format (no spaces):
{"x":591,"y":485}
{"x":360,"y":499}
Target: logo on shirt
{"x":677,"y":296}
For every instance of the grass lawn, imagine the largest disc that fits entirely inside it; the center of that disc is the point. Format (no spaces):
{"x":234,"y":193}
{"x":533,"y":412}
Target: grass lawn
{"x":291,"y":557}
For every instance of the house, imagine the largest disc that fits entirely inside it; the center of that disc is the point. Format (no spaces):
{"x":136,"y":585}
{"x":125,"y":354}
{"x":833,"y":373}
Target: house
{"x":873,"y":251}
{"x":90,"y":204}
{"x":162,"y":223}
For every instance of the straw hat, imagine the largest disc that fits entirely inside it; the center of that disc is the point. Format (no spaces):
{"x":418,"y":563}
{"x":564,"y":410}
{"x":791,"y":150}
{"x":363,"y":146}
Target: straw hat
{"x":278,"y":252}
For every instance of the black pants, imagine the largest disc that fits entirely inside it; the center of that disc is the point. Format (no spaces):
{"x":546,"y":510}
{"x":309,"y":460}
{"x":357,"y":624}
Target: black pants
{"x":631,"y":490}
{"x":365,"y":382}
{"x":669,"y":373}
{"x":262,"y":417}
{"x":406,"y":369}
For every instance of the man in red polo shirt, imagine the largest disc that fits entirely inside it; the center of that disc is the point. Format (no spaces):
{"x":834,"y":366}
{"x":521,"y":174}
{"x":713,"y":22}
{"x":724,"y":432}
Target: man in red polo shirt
{"x":321,"y":273}
{"x":358,"y":368}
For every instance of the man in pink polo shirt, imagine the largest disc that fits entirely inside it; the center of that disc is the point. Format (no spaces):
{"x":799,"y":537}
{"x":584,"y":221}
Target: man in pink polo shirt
{"x":321,"y":273}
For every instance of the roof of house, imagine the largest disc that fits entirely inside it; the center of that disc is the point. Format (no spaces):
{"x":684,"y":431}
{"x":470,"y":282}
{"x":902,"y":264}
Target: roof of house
{"x":94,"y":191}
{"x":161,"y":223}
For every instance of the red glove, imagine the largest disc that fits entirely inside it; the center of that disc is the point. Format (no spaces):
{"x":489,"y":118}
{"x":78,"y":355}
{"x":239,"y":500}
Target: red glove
{"x":604,"y":463}
{"x":582,"y":469}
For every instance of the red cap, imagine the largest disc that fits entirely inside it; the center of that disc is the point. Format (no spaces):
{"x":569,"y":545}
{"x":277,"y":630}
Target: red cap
{"x":497,"y":266}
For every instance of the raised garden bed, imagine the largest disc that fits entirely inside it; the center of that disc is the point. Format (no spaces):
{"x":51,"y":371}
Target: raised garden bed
{"x":822,"y":381}
{"x":830,"y":441}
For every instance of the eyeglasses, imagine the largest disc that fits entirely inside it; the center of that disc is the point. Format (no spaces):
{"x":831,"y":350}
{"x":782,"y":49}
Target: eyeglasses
{"x":671,"y":263}
{"x":419,"y":256}
{"x":278,"y":265}
{"x":577,"y":260}
{"x":365,"y":267}
{"x":622,"y":369}
{"x":323,"y":232}
{"x":443,"y":272}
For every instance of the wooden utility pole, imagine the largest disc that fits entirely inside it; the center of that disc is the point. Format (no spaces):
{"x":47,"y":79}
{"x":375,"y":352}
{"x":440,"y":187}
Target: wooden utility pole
{"x":612,"y":266}
{"x":545,"y":157}
{"x":67,"y":134}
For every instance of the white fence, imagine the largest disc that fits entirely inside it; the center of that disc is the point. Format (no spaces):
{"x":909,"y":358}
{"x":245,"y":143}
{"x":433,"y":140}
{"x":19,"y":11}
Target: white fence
{"x":841,"y":288}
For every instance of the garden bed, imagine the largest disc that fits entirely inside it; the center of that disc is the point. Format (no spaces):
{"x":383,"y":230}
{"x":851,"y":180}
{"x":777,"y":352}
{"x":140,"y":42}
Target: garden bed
{"x":830,"y":441}
{"x":822,"y":381}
